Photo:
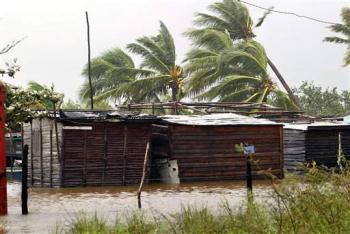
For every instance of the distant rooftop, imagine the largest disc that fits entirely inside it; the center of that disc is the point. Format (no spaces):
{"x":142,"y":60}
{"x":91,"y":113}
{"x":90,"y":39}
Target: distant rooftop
{"x":216,"y":120}
{"x":89,"y":115}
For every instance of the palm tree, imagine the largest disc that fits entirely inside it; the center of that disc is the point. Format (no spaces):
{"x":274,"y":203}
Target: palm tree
{"x":226,"y":71}
{"x":344,"y":29}
{"x":110,"y":73}
{"x":158,"y":70}
{"x":233,"y":16}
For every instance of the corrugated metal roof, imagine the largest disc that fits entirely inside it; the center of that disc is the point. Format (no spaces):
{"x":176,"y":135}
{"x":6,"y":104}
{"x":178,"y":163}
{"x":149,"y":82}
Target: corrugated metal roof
{"x":317,"y":125}
{"x":78,"y":115}
{"x":216,"y":120}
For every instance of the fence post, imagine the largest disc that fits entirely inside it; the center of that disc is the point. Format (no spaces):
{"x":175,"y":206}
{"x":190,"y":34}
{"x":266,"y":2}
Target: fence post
{"x":24,"y":195}
{"x":249,"y":178}
{"x":3,"y":181}
{"x":145,"y":162}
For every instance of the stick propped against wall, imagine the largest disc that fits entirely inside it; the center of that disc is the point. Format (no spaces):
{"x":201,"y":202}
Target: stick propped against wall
{"x":145,"y":162}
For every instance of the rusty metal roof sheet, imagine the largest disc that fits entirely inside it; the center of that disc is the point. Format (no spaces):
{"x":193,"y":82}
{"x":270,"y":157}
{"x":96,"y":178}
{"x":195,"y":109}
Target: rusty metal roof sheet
{"x":79,"y":115}
{"x":216,"y":120}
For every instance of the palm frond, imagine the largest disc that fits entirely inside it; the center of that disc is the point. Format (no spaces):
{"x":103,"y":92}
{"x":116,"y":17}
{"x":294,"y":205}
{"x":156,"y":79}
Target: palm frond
{"x":211,"y":39}
{"x":149,"y":59}
{"x":338,"y":40}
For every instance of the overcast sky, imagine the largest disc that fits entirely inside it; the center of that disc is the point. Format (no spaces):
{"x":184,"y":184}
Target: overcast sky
{"x":55,"y":48}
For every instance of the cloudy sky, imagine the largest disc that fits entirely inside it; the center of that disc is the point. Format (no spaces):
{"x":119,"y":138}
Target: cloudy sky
{"x":55,"y":49}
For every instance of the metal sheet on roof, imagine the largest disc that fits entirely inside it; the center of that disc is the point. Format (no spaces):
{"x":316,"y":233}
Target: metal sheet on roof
{"x":317,"y":125}
{"x":216,"y":120}
{"x":103,"y":115}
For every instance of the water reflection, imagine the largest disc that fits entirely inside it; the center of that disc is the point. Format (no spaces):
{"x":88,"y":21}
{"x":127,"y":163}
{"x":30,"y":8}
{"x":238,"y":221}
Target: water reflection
{"x":49,"y":207}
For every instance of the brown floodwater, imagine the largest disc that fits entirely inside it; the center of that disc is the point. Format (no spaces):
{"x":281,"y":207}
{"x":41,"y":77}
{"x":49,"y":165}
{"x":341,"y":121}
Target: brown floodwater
{"x":51,"y":208}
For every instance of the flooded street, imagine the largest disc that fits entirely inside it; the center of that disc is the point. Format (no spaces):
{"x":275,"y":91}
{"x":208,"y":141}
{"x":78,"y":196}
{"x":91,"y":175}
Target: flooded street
{"x":49,"y":208}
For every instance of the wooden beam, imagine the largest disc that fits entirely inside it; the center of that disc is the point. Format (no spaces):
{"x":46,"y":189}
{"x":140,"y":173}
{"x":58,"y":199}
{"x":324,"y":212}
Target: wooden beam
{"x":41,"y":155}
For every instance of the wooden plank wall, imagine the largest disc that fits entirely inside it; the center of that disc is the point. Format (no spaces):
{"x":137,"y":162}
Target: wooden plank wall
{"x":207,"y":152}
{"x":322,"y":146}
{"x":109,"y":154}
{"x":294,"y":150}
{"x":43,"y":160}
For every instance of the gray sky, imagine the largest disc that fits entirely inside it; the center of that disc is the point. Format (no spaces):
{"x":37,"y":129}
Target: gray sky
{"x":55,"y":49}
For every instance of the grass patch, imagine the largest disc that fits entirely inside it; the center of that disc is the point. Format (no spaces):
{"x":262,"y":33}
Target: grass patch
{"x":318,"y":202}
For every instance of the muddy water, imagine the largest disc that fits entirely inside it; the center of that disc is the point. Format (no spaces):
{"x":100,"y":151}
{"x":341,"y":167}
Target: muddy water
{"x":50,"y":208}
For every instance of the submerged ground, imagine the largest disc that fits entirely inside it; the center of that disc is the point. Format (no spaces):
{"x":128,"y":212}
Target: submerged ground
{"x":50,"y":208}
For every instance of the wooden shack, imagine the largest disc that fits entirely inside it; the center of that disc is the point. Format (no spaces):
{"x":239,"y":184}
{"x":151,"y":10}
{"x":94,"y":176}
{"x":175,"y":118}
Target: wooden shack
{"x":202,"y":148}
{"x":317,"y":142}
{"x":294,"y":147}
{"x":323,"y":142}
{"x":93,"y":149}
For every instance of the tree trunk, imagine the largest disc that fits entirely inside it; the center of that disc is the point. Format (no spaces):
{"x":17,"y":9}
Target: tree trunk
{"x":174,"y":89}
{"x":284,"y":83}
{"x":174,"y":93}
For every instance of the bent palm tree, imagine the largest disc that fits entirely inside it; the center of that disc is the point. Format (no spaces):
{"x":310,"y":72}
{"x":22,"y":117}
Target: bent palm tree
{"x":110,"y":74}
{"x":344,"y":29}
{"x":233,"y":16}
{"x":158,"y":70}
{"x":227,"y":71}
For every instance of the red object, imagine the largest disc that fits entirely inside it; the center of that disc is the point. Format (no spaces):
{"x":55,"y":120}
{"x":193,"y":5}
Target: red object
{"x":3,"y":183}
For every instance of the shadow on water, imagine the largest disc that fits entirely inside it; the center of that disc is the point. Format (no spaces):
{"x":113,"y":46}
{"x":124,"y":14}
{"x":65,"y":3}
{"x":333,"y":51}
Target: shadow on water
{"x":51,"y":207}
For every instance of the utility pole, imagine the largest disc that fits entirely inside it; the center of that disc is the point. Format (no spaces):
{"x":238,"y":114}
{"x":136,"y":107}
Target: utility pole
{"x":89,"y":62}
{"x":3,"y":181}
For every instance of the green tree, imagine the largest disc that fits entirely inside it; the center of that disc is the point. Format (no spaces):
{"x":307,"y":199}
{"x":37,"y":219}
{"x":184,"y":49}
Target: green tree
{"x":233,"y":17}
{"x":345,"y":30}
{"x":22,"y":105}
{"x":159,"y":71}
{"x":320,"y":102}
{"x":226,"y":71}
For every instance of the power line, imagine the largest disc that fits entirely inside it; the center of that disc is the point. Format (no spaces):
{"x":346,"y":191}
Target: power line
{"x":289,"y":13}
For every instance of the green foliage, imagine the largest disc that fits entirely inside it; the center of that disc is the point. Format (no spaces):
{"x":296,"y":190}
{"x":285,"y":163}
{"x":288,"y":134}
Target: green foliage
{"x":345,"y":30}
{"x":115,"y":77}
{"x":85,"y":224}
{"x":226,"y":63}
{"x":318,"y":202}
{"x":225,"y":32}
{"x":110,"y":72}
{"x":319,"y":102}
{"x":22,"y":105}
{"x":159,"y":57}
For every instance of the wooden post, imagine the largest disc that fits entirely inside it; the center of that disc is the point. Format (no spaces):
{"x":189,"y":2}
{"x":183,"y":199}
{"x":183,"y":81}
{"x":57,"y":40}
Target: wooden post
{"x":89,"y":62}
{"x":51,"y":159}
{"x":56,"y":131}
{"x":24,"y":195}
{"x":41,"y":155}
{"x":125,"y":151}
{"x":3,"y":181}
{"x":145,"y":162}
{"x":249,"y":178}
{"x":249,"y":174}
{"x":31,"y":153}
